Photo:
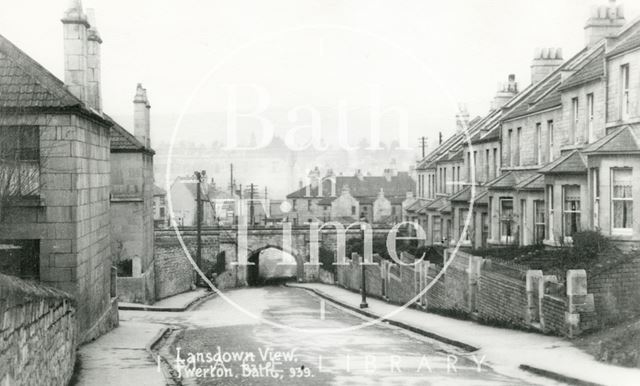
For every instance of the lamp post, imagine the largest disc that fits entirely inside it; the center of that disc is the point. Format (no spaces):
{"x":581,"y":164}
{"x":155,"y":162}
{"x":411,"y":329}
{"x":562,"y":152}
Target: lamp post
{"x":363,"y":289}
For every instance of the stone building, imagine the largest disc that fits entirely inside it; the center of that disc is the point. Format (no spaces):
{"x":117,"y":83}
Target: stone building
{"x":132,"y":198}
{"x":59,"y":208}
{"x":378,"y":199}
{"x":160,"y":216}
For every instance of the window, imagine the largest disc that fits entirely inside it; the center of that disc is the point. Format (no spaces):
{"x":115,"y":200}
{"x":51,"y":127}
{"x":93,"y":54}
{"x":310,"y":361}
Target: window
{"x":353,"y":210}
{"x":550,"y":210}
{"x":161,"y":212}
{"x":309,"y":203}
{"x":621,"y":200}
{"x":550,"y":134}
{"x":571,"y":209}
{"x":444,"y":180}
{"x":624,"y":100}
{"x":437,"y":236}
{"x":518,"y":145}
{"x":537,"y":144}
{"x":486,"y":165}
{"x":590,"y":117}
{"x":509,"y":153}
{"x":575,"y":106}
{"x":506,"y":219}
{"x":469,"y":179}
{"x":20,"y":160}
{"x":20,"y":258}
{"x":539,"y":223}
{"x":459,"y":179}
{"x":523,"y":222}
{"x":495,"y":162}
{"x":461,"y":222}
{"x":475,"y":166}
{"x":595,"y":196}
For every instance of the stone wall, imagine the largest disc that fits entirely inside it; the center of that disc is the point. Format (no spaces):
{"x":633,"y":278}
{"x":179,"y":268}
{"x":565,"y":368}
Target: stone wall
{"x":616,"y":292}
{"x":174,"y":273}
{"x":71,"y":219}
{"x":502,"y":298}
{"x":35,"y":317}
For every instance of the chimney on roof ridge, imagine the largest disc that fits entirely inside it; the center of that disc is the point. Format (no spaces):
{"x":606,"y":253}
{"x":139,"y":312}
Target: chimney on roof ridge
{"x":605,"y":22}
{"x":75,"y":28}
{"x":94,"y":71}
{"x":142,"y":116}
{"x":506,"y":91}
{"x":545,"y":61}
{"x":359,"y":174}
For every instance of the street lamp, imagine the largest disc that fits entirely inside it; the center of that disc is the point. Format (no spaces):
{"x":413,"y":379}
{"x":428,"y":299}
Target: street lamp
{"x":363,"y":289}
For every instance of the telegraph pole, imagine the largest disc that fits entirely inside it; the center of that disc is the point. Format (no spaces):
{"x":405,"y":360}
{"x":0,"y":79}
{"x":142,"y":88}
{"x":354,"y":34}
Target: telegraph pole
{"x":231,"y":183}
{"x":199,"y":178}
{"x":251,"y":203}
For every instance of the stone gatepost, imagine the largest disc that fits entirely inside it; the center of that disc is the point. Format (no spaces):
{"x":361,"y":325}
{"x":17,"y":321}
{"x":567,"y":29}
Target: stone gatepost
{"x":475,"y":263}
{"x":534,"y":279}
{"x":579,"y":300}
{"x":136,"y":266}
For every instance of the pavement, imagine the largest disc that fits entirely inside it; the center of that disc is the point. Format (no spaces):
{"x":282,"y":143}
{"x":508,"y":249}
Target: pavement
{"x":176,"y":303}
{"x":508,"y":351}
{"x":122,"y":356}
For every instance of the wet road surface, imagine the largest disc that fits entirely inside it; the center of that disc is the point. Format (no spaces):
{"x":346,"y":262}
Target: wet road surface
{"x":220,"y":345}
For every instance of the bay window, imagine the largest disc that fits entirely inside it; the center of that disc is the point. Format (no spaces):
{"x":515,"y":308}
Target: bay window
{"x":539,"y":223}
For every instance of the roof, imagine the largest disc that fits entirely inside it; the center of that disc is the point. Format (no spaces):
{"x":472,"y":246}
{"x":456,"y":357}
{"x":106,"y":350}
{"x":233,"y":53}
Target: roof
{"x":368,"y":186}
{"x":533,"y":182}
{"x":591,"y":71}
{"x":417,"y":205}
{"x":24,"y":83}
{"x":122,"y":140}
{"x":631,"y":42}
{"x":622,"y":140}
{"x":573,"y":162}
{"x":511,"y":180}
{"x":158,"y":191}
{"x":543,"y":97}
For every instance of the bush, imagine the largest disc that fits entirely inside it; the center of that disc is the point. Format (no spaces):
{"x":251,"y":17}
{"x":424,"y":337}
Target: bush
{"x":327,"y":259}
{"x":588,"y":244}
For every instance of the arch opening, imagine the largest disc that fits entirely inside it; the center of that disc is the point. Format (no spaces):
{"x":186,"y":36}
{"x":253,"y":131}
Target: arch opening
{"x":271,"y":265}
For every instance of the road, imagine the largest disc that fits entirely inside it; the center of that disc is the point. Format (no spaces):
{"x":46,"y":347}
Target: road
{"x":232,"y":348}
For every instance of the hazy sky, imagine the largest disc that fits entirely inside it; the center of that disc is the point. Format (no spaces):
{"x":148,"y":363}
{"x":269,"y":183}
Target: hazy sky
{"x":423,"y":55}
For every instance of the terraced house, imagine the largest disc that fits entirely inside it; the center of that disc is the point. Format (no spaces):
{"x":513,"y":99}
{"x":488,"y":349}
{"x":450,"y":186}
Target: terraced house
{"x":557,"y":158}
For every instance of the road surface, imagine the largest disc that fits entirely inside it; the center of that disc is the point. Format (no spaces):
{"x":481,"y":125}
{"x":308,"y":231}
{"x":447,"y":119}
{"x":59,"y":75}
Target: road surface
{"x":216,"y":344}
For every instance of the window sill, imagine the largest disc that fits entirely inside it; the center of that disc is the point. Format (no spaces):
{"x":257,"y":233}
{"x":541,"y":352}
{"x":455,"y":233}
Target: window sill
{"x":31,"y":202}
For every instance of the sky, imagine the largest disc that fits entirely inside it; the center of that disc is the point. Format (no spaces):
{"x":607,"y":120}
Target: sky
{"x":302,"y":58}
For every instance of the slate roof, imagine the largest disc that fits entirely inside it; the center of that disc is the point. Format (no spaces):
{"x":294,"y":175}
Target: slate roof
{"x":158,"y":191}
{"x":622,"y":140}
{"x":572,"y":162}
{"x":419,"y":204}
{"x":511,"y":179}
{"x":591,"y":71}
{"x":533,"y":182}
{"x":544,"y":97}
{"x":632,"y":42}
{"x":122,"y":140}
{"x":24,"y":83}
{"x":368,"y":186}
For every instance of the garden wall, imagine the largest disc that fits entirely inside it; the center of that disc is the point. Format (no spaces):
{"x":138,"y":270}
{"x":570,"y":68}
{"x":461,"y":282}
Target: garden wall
{"x":34,"y":317}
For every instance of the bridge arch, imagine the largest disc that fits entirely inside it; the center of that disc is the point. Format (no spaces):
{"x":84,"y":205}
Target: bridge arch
{"x":253,"y":258}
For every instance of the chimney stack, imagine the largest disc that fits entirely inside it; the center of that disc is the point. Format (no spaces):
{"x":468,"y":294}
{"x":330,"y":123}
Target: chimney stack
{"x":94,"y":92}
{"x":75,"y":29}
{"x":545,"y":61}
{"x":506,"y":91}
{"x":605,"y":22}
{"x":141,"y":116}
